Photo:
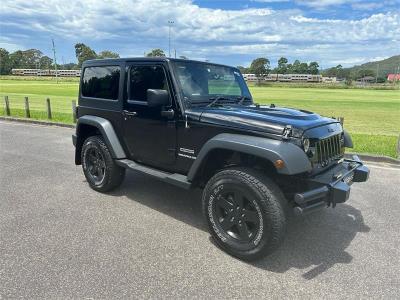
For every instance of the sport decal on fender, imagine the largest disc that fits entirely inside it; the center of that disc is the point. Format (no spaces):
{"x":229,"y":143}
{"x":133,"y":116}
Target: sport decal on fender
{"x":187,"y":153}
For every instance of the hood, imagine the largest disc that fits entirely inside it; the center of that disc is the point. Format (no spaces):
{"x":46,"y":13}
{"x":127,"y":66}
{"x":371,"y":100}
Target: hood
{"x":259,"y":118}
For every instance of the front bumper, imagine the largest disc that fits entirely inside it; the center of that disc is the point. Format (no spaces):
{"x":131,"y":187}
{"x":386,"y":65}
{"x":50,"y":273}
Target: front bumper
{"x":74,"y":139}
{"x":332,"y":186}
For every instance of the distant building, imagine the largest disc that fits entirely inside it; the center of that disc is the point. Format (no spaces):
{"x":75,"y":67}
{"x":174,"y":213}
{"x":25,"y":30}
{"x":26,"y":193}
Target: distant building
{"x":41,"y":72}
{"x":250,"y":77}
{"x":367,"y":79}
{"x":285,"y":77}
{"x":331,"y":79}
{"x":393,"y":77}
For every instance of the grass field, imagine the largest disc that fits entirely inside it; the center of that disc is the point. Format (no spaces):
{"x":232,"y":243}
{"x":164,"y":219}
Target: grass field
{"x":371,"y":116}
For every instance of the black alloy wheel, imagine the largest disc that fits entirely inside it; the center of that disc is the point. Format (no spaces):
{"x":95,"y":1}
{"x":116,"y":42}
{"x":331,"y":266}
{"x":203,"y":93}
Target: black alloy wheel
{"x":236,"y":215}
{"x":245,"y":212}
{"x":96,"y":165}
{"x":99,"y":167}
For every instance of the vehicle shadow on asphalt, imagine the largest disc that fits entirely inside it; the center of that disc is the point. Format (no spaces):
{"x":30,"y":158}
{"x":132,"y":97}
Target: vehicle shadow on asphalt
{"x":183,"y":205}
{"x":314,"y":243}
{"x":317,"y":242}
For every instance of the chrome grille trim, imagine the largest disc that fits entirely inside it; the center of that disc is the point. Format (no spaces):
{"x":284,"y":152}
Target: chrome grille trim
{"x":328,"y":149}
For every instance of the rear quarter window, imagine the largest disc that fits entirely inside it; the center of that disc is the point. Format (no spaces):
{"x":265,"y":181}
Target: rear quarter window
{"x":101,"y":82}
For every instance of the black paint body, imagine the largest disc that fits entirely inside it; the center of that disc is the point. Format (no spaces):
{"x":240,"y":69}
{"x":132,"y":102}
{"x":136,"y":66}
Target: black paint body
{"x":154,"y":139}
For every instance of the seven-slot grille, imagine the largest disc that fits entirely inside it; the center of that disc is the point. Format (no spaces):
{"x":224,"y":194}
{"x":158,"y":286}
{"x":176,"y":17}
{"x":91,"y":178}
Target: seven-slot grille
{"x":328,"y":149}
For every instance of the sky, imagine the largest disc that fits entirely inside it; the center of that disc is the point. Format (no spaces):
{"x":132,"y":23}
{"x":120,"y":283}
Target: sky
{"x":331,"y":32}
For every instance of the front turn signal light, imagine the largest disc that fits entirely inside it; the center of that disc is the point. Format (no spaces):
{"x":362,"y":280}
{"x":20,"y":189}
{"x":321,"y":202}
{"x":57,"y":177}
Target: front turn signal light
{"x":279,"y":164}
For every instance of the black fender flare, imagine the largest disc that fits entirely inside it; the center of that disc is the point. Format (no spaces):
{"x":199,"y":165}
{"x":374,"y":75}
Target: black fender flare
{"x":107,"y":131}
{"x":294,"y":158}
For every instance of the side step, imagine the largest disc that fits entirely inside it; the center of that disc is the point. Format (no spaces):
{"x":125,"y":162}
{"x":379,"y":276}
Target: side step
{"x":172,"y":178}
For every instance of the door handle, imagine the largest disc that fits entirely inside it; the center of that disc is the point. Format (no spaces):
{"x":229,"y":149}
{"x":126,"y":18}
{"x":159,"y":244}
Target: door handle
{"x":127,"y":113}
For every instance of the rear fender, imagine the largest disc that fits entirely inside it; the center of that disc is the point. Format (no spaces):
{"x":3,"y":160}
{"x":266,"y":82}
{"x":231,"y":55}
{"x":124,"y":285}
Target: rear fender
{"x":105,"y":128}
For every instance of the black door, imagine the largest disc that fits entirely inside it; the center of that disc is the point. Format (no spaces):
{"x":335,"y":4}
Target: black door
{"x":149,"y":136}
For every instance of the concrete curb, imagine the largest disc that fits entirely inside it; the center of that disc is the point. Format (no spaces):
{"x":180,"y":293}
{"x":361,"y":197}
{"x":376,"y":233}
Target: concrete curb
{"x":373,"y":158}
{"x":366,"y":157}
{"x":37,"y":122}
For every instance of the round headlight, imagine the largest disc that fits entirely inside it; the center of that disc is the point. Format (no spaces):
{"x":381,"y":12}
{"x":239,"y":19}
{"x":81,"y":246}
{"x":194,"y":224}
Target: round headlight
{"x":306,"y":145}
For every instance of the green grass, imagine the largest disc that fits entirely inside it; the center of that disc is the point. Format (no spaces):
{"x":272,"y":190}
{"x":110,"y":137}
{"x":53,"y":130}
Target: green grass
{"x":375,"y":144}
{"x":371,"y":116}
{"x":61,"y":96}
{"x":365,"y":111}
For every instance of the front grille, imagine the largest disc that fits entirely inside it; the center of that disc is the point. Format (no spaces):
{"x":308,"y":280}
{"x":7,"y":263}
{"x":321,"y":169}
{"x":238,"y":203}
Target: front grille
{"x":329,"y":149}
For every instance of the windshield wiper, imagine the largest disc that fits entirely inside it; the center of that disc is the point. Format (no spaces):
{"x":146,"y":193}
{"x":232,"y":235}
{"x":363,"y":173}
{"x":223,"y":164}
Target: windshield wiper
{"x":216,"y":99}
{"x":242,"y":99}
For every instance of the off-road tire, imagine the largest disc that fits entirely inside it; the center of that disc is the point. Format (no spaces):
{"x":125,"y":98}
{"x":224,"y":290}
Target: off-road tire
{"x":268,"y":202}
{"x":113,"y":174}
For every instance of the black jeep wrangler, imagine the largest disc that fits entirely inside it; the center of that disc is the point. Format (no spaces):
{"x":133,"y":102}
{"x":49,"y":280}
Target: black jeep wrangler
{"x":195,"y":125}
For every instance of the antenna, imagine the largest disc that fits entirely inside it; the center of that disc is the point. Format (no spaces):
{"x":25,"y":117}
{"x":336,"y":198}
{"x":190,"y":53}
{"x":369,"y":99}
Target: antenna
{"x":55,"y":60}
{"x":169,"y":37}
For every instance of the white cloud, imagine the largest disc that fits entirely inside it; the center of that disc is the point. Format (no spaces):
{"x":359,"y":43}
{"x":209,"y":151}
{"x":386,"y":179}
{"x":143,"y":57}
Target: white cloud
{"x":136,"y":26}
{"x":270,"y":1}
{"x":323,"y":3}
{"x":367,"y":5}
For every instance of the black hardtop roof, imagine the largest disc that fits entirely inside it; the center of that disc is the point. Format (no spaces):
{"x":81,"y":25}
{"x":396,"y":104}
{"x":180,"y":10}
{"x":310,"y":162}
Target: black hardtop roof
{"x":93,"y":62}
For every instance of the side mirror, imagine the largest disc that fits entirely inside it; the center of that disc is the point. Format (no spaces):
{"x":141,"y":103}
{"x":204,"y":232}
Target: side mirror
{"x":157,"y":98}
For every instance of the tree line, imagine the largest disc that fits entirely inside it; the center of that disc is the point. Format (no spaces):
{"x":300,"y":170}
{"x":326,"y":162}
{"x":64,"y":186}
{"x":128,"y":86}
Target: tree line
{"x":35,"y":59}
{"x":262,"y":66}
{"x":353,"y":74}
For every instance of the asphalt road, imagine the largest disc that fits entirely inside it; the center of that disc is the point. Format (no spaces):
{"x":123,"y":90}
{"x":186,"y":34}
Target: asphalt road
{"x":60,"y":239}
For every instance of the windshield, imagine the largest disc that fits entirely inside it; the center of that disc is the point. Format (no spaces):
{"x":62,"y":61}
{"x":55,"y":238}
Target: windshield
{"x":202,"y":82}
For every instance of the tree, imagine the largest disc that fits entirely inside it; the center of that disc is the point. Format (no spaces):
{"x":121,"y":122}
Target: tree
{"x":303,"y":68}
{"x":108,"y":54}
{"x":70,"y":66}
{"x":83,"y":52}
{"x":45,"y":62}
{"x":282,"y":66}
{"x":243,"y":70}
{"x":183,"y":57}
{"x":364,"y":73}
{"x":17,"y":60}
{"x":260,"y":67}
{"x":156,"y":53}
{"x":295,"y":69}
{"x":5,"y":66}
{"x":313,"y":68}
{"x":32,"y":58}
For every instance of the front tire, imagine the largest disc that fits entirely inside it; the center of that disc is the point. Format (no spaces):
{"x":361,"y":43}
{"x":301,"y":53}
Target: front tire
{"x":100,"y":170}
{"x":245,"y":212}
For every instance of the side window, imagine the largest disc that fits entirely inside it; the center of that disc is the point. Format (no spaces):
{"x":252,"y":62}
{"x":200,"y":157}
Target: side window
{"x":143,"y":78}
{"x":101,"y":82}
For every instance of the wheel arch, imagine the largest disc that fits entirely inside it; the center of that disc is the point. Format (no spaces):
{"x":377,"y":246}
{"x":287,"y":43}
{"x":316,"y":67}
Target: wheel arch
{"x":263,"y":149}
{"x":92,"y":125}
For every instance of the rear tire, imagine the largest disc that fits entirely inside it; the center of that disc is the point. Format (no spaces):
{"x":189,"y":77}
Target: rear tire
{"x":245,"y":212}
{"x":100,"y":170}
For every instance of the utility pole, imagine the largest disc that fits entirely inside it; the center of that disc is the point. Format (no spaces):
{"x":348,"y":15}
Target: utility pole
{"x":169,"y":37}
{"x":377,"y":73}
{"x":55,"y":60}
